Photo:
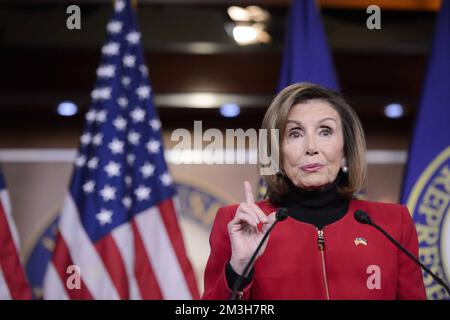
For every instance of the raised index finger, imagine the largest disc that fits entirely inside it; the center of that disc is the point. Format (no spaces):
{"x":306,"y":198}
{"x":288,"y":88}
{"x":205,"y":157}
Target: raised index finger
{"x":248,"y":193}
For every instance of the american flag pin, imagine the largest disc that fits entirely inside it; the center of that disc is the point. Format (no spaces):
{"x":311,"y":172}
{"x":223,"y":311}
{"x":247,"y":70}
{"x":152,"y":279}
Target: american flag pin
{"x":359,"y":241}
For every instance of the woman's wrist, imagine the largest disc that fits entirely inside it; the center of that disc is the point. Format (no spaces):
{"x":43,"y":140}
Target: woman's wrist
{"x":238,"y":265}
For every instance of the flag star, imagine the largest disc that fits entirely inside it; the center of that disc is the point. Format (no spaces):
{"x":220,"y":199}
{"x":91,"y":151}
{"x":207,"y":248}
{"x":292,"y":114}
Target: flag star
{"x":111,"y":49}
{"x":126,"y":81}
{"x":133,"y":137}
{"x":103,"y":93}
{"x":147,"y":170}
{"x":153,"y":146}
{"x":130,"y":159}
{"x":122,"y":102}
{"x":166,"y":179}
{"x":104,"y":217}
{"x":155,"y":124}
{"x":142,"y":193}
{"x":89,"y":186}
{"x":129,"y":60}
{"x":107,"y":71}
{"x":101,"y":116}
{"x":119,"y":5}
{"x":138,"y":114}
{"x":114,"y":26}
{"x":112,"y":169}
{"x":133,"y":37}
{"x":143,"y":92}
{"x":108,"y":193}
{"x":143,"y":69}
{"x":80,"y":161}
{"x":127,"y":202}
{"x":90,"y":115}
{"x":85,"y":138}
{"x":97,"y":139}
{"x":116,"y":146}
{"x":128,"y":181}
{"x":93,"y":163}
{"x":120,"y":123}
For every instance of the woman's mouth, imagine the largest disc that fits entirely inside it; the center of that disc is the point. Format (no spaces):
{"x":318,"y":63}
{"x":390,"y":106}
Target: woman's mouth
{"x":312,"y":167}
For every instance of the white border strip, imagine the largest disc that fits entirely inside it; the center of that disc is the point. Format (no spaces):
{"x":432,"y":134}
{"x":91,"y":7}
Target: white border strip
{"x":37,"y":155}
{"x":375,"y":156}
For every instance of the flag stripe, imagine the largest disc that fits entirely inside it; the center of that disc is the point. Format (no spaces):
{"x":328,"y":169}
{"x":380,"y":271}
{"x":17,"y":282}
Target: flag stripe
{"x":4,"y":200}
{"x":4,"y":291}
{"x":84,"y":254}
{"x":52,"y":280}
{"x":61,"y":260}
{"x":10,"y":262}
{"x":145,"y":276}
{"x":161,"y":253}
{"x":169,"y":218}
{"x":124,"y":238}
{"x":110,"y":254}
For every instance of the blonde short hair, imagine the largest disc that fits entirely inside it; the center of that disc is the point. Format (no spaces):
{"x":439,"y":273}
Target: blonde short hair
{"x":354,"y":141}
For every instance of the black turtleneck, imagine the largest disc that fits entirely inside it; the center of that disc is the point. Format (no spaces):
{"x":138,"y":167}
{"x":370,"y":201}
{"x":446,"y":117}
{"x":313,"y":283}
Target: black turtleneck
{"x":317,"y":207}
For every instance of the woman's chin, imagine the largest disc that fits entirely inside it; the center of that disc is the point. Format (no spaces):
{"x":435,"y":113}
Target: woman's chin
{"x":312,"y":185}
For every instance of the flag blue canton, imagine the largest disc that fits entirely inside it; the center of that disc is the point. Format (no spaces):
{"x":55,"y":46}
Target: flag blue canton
{"x":120,"y":168}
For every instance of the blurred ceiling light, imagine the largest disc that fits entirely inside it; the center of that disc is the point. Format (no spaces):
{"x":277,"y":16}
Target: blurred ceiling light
{"x":203,"y":100}
{"x":67,"y":109}
{"x":248,"y":26}
{"x":238,"y":14}
{"x":262,"y":35}
{"x":245,"y":35}
{"x":258,"y":27}
{"x":258,"y":14}
{"x":394,"y":110}
{"x":248,"y":14}
{"x":230,"y":110}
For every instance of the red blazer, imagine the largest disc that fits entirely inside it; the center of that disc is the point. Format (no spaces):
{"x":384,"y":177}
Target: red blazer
{"x":358,"y":262}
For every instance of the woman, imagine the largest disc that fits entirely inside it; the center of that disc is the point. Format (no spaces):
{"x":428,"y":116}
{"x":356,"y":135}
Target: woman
{"x":320,"y":251}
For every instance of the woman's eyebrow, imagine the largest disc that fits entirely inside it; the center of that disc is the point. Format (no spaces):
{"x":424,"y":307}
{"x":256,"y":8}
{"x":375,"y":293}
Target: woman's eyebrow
{"x":299,"y":123}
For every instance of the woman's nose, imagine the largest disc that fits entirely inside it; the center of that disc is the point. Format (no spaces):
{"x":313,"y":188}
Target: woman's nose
{"x":311,"y":148}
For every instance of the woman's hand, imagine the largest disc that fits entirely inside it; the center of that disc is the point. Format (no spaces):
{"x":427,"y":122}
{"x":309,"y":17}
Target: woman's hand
{"x":244,"y":233}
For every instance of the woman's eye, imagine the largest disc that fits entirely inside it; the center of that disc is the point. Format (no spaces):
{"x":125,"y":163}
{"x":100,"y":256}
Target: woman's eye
{"x":294,"y":134}
{"x":326,"y":132}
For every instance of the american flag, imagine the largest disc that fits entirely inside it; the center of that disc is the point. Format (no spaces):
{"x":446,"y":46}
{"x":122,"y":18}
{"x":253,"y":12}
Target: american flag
{"x":13,"y":282}
{"x":118,"y":224}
